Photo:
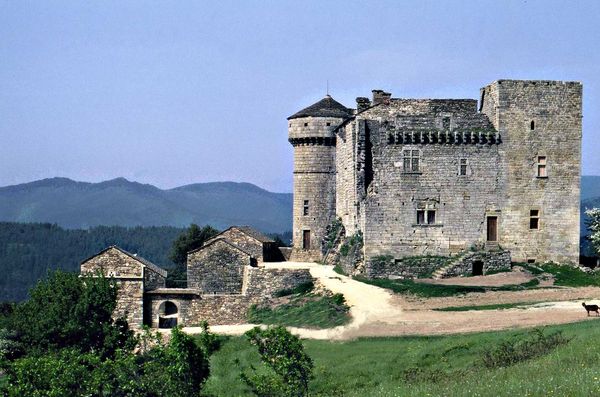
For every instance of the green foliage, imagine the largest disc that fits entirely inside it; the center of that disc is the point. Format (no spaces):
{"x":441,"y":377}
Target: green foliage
{"x":193,"y":237}
{"x":302,"y":288}
{"x":178,"y":369}
{"x":570,"y":276}
{"x":10,"y":347}
{"x":208,"y":341}
{"x":283,"y":354}
{"x":593,"y":226}
{"x":498,"y":306}
{"x":311,"y":311}
{"x":428,"y":290}
{"x":338,"y":269}
{"x":416,"y":366}
{"x":67,"y":310}
{"x":351,"y":243}
{"x":29,"y":251}
{"x":513,"y":351}
{"x":332,"y":232}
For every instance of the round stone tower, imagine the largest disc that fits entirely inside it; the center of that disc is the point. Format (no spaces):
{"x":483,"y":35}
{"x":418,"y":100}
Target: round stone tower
{"x":311,"y":132}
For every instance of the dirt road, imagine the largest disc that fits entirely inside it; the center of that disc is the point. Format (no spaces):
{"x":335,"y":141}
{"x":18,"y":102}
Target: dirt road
{"x":378,"y":312}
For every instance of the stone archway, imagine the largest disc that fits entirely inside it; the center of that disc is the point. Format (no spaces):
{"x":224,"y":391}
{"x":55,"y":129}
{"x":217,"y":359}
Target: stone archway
{"x":168,"y":314}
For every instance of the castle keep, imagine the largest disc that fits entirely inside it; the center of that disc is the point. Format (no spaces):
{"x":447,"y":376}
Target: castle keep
{"x":442,"y":176}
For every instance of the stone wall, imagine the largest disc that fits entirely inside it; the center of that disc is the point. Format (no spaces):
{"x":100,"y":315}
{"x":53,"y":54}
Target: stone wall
{"x":217,"y":268}
{"x":245,"y":242}
{"x":493,"y":261}
{"x":555,"y":109}
{"x":153,"y":280}
{"x":218,"y":309}
{"x":405,"y":268}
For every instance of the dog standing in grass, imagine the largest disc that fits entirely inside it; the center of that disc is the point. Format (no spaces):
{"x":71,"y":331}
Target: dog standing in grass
{"x":591,"y":308}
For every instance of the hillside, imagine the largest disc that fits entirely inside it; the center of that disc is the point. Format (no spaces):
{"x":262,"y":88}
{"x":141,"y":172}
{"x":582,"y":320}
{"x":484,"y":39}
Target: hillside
{"x":120,"y":202}
{"x":29,"y":251}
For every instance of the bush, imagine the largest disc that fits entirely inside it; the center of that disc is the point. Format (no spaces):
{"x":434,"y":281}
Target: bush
{"x":301,"y":289}
{"x":514,"y":351}
{"x":290,"y":368}
{"x":208,"y":341}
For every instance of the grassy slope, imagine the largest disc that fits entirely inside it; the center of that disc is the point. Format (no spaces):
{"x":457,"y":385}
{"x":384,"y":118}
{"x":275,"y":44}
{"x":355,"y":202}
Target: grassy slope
{"x":304,"y":310}
{"x":382,"y":366}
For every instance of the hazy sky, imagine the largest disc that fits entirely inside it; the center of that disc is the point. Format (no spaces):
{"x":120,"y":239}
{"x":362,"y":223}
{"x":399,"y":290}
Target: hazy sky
{"x":172,"y":93}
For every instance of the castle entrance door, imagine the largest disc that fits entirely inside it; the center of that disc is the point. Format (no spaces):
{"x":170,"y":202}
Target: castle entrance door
{"x":478,"y":268}
{"x":492,"y":228}
{"x":306,"y":239}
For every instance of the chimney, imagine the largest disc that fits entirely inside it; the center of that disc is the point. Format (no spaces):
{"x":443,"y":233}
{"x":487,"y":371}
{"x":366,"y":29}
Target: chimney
{"x":380,"y":96}
{"x":362,"y":103}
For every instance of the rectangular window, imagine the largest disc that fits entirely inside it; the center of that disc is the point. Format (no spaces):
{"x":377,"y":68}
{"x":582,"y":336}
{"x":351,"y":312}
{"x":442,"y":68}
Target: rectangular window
{"x":541,"y":167}
{"x":463,"y":167}
{"x":411,"y":160}
{"x":305,"y":209}
{"x":534,"y":219}
{"x":425,"y":217}
{"x":446,"y":123}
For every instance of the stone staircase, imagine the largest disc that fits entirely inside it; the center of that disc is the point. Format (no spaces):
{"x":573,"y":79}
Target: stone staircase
{"x":439,"y":273}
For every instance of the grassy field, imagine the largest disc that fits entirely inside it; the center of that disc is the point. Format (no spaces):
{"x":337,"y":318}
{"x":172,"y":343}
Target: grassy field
{"x":304,"y":310}
{"x":431,"y":366}
{"x":426,"y":290}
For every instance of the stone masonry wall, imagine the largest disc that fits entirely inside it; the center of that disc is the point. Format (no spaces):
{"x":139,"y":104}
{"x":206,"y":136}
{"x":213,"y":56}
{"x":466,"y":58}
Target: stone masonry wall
{"x":405,"y":268}
{"x":314,"y":181}
{"x":226,"y":309}
{"x":245,"y":242}
{"x":493,"y":261}
{"x":217,"y":268}
{"x":554,"y":107}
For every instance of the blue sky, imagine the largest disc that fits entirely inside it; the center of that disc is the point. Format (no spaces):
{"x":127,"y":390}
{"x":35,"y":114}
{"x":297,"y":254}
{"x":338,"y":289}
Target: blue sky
{"x":172,"y":93}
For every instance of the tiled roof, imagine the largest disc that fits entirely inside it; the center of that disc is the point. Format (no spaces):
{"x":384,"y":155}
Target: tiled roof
{"x":326,"y":107}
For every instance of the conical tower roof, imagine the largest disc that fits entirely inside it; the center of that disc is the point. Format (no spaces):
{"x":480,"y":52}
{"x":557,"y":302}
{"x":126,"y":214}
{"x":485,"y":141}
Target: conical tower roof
{"x":326,"y":107}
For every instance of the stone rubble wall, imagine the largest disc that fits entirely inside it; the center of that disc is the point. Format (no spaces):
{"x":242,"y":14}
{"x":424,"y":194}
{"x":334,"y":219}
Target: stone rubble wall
{"x":493,"y":261}
{"x":405,"y":268}
{"x":245,"y":242}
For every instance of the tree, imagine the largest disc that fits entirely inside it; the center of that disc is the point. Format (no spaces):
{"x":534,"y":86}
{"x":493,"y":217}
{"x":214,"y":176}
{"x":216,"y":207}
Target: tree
{"x":67,"y":310}
{"x":283,"y":353}
{"x":189,"y":240}
{"x":593,"y":225}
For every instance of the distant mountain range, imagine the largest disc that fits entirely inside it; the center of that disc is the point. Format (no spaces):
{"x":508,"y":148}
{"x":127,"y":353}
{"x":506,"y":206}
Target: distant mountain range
{"x":120,"y":202}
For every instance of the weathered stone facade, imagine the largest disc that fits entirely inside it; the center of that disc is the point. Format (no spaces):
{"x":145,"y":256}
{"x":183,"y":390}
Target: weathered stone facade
{"x":134,"y":276}
{"x":223,"y":282}
{"x":440,"y":176}
{"x":259,"y":246}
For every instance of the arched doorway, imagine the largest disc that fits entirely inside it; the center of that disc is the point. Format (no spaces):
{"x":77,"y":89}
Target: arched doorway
{"x":168,"y":313}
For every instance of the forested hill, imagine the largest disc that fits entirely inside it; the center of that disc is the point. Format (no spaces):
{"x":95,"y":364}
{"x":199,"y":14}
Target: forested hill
{"x":29,"y":251}
{"x":120,"y":202}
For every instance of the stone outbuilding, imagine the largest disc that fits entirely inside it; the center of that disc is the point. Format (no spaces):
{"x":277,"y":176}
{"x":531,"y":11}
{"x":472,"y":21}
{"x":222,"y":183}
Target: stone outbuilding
{"x":259,"y":246}
{"x":134,"y":275}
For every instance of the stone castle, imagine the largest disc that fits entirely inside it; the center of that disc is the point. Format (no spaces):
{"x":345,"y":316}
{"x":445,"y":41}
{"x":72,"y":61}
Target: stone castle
{"x":441,"y":177}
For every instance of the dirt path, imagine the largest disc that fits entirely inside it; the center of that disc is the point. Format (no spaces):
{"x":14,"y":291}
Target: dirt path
{"x":377,"y":312}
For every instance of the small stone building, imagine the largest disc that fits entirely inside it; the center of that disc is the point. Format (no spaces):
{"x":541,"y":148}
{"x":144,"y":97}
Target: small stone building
{"x":134,"y":275}
{"x":223,"y":282}
{"x":259,"y":246}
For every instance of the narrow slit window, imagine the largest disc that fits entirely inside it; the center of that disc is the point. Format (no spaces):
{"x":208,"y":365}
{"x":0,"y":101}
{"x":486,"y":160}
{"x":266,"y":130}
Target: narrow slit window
{"x":541,"y":167}
{"x":534,"y":219}
{"x":463,"y":167}
{"x":305,"y":208}
{"x":532,"y":125}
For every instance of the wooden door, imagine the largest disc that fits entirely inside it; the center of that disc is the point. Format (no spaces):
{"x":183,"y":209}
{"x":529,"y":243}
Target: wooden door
{"x":306,"y":239}
{"x":492,"y":228}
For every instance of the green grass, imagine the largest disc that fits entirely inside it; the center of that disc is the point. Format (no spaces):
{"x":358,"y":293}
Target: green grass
{"x":569,"y":276}
{"x":431,"y":366}
{"x":498,"y":306}
{"x":426,"y":290}
{"x":306,"y":310}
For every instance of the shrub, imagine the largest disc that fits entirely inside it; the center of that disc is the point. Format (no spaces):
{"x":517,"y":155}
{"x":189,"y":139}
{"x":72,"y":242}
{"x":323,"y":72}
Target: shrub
{"x":301,"y":289}
{"x":208,"y":341}
{"x":516,"y":350}
{"x":290,"y":368}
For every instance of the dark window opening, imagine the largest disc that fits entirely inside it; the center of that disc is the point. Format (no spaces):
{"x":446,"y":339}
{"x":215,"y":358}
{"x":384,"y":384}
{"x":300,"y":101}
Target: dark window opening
{"x":463,"y":167}
{"x":306,"y":124}
{"x":478,"y":268}
{"x":446,"y":123}
{"x":305,"y":208}
{"x":425,"y":217}
{"x":306,"y":239}
{"x":530,"y":260}
{"x":534,"y":219}
{"x":167,"y":316}
{"x":532,"y":125}
{"x":328,"y":124}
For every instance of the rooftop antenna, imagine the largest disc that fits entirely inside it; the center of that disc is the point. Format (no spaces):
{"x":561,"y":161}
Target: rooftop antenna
{"x":327,"y":87}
